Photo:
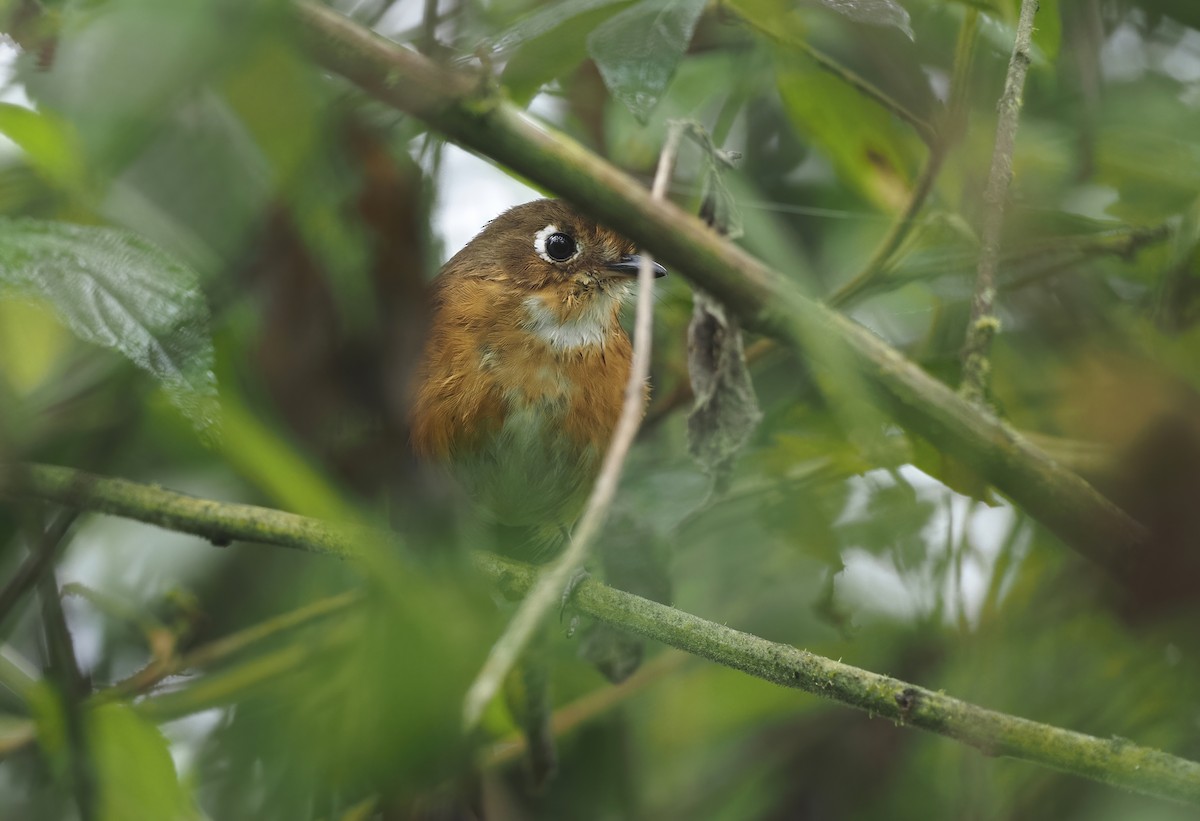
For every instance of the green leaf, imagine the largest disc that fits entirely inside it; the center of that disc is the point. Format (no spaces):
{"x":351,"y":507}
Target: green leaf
{"x":48,"y":142}
{"x":1047,"y":28}
{"x":874,"y":12}
{"x":638,"y":50}
{"x":869,"y":148}
{"x":115,"y":289}
{"x":550,"y":43}
{"x":545,"y":20}
{"x":134,"y":772}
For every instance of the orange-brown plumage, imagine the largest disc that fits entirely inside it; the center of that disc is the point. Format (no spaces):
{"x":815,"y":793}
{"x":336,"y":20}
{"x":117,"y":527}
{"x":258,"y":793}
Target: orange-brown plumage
{"x":525,"y":366}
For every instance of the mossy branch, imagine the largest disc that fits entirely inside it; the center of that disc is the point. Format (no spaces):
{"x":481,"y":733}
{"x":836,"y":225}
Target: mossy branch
{"x":467,"y":110}
{"x":1113,"y":761}
{"x":976,"y":364}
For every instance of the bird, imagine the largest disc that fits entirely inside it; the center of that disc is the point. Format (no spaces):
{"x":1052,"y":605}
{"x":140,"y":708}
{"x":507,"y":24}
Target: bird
{"x":522,"y":377}
{"x":518,"y":392}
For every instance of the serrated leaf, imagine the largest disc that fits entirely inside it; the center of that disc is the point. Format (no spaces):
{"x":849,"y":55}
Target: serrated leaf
{"x":114,"y":289}
{"x":638,"y":50}
{"x":874,"y":12}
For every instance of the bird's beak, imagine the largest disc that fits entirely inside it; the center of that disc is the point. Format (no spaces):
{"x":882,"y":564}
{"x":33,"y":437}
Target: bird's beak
{"x":628,"y":265}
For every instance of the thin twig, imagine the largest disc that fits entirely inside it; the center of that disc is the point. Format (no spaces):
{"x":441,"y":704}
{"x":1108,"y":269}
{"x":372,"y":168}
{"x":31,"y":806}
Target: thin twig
{"x":37,"y":564}
{"x":429,"y":23}
{"x":549,"y":589}
{"x":984,"y":323}
{"x":73,"y":690}
{"x":223,"y":648}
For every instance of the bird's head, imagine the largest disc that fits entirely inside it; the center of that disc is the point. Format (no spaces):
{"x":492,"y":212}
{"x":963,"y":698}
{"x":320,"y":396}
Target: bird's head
{"x":569,"y":273}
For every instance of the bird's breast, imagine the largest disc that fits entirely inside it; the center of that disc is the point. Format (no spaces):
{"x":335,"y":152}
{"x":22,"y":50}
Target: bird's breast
{"x":537,"y":462}
{"x":520,"y":399}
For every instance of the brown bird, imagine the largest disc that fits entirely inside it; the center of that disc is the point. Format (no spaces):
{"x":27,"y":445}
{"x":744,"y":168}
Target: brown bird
{"x":520,"y":387}
{"x":525,"y":366}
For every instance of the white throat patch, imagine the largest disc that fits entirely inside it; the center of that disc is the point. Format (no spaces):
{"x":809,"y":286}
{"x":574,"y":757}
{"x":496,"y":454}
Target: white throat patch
{"x":586,"y":329}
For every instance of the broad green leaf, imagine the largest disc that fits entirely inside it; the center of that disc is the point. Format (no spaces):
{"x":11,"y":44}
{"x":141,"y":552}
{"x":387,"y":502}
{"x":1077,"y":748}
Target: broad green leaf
{"x":638,"y":50}
{"x":116,"y":290}
{"x":32,"y":341}
{"x":1047,"y":28}
{"x":545,"y":20}
{"x":134,"y":772}
{"x":555,"y":51}
{"x":49,"y":143}
{"x":874,"y":12}
{"x":1155,"y":170}
{"x":869,"y":148}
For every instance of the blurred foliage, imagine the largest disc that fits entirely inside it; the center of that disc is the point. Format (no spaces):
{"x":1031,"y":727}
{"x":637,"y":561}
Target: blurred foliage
{"x":189,"y":204}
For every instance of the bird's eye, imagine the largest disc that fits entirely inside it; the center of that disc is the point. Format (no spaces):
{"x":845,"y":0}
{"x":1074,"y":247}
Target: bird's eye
{"x":560,"y":247}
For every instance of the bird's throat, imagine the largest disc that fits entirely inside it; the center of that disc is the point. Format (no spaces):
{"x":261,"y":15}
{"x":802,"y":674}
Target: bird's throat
{"x":585,"y":321}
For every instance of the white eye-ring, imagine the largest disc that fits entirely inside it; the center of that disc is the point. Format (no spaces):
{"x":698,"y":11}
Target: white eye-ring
{"x":554,"y":246}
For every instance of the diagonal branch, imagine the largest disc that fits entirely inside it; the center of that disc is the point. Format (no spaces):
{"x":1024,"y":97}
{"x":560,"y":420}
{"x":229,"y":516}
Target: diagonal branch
{"x":469,"y":113}
{"x":1114,"y":761}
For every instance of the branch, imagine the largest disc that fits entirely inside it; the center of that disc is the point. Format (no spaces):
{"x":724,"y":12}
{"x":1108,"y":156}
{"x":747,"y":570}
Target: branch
{"x":984,"y":323}
{"x":1113,"y":761}
{"x":36,"y":565}
{"x":221,"y":649}
{"x":556,"y":578}
{"x":763,"y":300}
{"x":218,"y":522}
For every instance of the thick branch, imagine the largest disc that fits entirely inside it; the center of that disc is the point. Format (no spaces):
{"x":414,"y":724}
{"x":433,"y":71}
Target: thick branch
{"x":1114,"y":761}
{"x":465,"y":110}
